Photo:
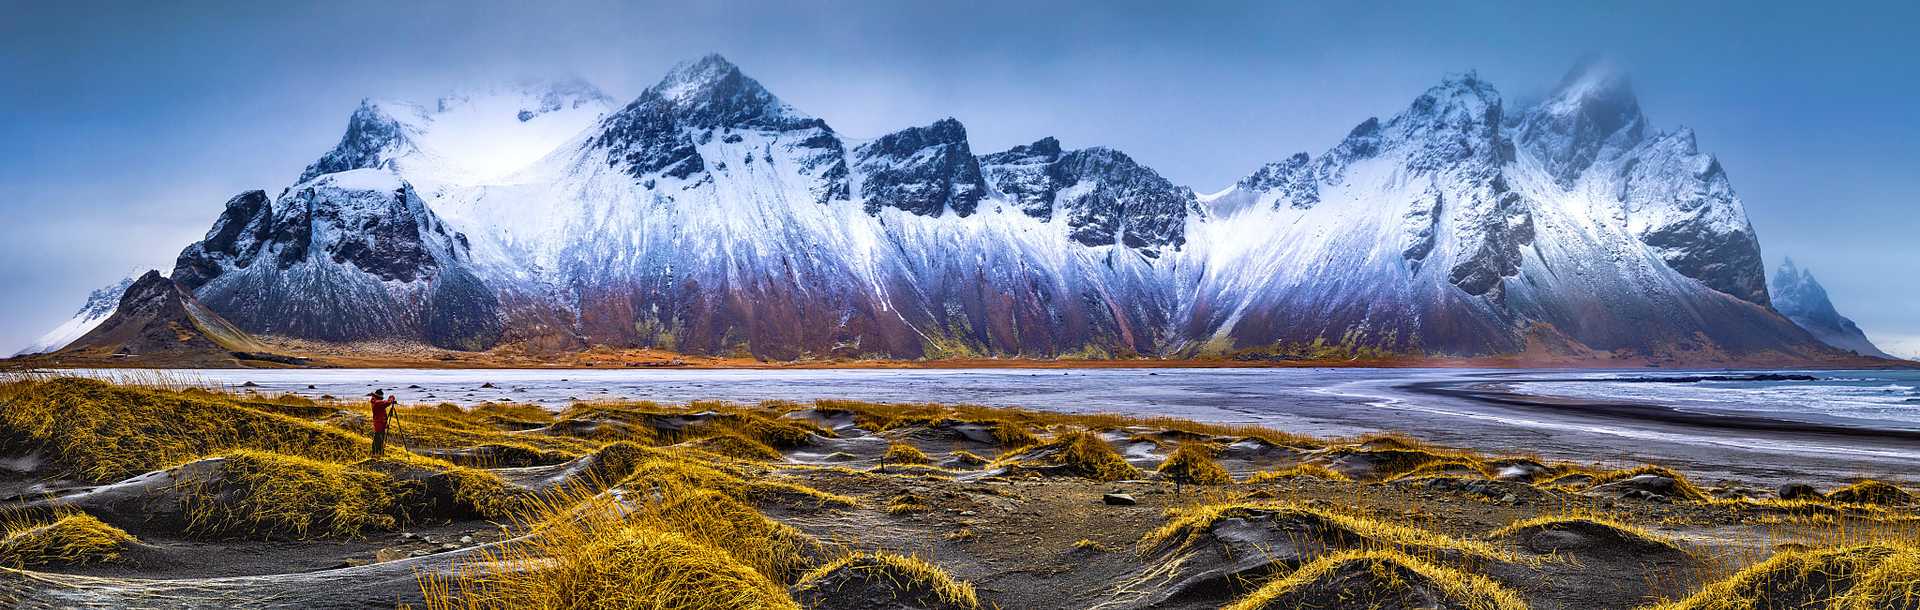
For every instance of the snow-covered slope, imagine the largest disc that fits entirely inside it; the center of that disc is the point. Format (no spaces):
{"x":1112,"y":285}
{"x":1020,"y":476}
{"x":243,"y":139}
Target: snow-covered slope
{"x":1800,"y":297}
{"x":1456,"y":228}
{"x":708,"y":216}
{"x":100,"y":304}
{"x":467,"y":137}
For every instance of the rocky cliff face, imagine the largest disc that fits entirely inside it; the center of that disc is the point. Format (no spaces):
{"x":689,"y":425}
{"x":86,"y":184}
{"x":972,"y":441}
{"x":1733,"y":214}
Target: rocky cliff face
{"x":1104,"y":197}
{"x":1800,"y":297}
{"x":708,"y":216}
{"x":346,"y":256}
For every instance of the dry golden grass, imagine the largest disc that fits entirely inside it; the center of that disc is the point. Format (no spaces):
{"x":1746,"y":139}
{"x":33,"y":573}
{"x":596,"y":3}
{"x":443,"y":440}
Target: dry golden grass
{"x":1377,"y":579}
{"x":1872,"y":492}
{"x":1193,"y":463}
{"x":735,"y":446}
{"x":1688,"y":491}
{"x":268,"y":493}
{"x":923,"y":583}
{"x":103,"y":432}
{"x":1586,"y":520}
{"x":1334,"y":530}
{"x":660,"y":468}
{"x":1091,"y":546}
{"x":1875,"y":576}
{"x":1301,"y":470}
{"x":69,"y":538}
{"x":679,"y":547}
{"x":438,"y":428}
{"x":1076,"y":453}
{"x":902,"y":453}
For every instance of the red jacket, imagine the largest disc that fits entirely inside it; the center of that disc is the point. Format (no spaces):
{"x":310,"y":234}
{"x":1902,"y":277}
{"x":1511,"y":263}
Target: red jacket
{"x":380,"y":412}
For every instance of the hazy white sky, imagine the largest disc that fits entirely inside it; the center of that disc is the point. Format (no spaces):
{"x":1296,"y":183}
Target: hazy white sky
{"x":127,"y":126}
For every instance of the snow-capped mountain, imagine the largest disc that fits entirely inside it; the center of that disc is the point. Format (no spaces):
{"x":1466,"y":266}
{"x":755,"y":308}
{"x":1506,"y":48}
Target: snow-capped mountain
{"x":708,"y":216}
{"x":343,"y":256}
{"x":100,"y":305}
{"x":1800,"y":297}
{"x":1457,"y":227}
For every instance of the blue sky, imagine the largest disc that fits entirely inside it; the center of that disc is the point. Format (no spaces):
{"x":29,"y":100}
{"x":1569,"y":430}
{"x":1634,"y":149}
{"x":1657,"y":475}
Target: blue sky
{"x":128,"y":125}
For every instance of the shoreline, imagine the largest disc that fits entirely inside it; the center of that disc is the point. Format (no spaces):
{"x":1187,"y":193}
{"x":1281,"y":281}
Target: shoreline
{"x":1649,"y":412}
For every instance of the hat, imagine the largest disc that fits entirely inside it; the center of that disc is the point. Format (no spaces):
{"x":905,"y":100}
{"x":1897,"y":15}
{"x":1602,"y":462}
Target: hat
{"x":377,"y":393}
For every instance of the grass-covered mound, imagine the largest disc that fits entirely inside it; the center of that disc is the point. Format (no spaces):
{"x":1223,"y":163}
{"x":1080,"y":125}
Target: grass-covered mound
{"x":884,"y":581}
{"x":1078,"y":453}
{"x":1193,"y":463}
{"x":256,"y":493}
{"x":1315,"y":471}
{"x":672,"y":547}
{"x":104,"y":432}
{"x":660,"y":470}
{"x":70,"y":538}
{"x":1382,"y":460}
{"x":1657,"y":480}
{"x":735,"y":446}
{"x":1874,"y":493}
{"x":1315,"y":530}
{"x":1882,"y":576}
{"x":1379,"y":579}
{"x":1586,"y":534}
{"x":899,"y":452}
{"x":625,"y":567}
{"x":1212,"y":551}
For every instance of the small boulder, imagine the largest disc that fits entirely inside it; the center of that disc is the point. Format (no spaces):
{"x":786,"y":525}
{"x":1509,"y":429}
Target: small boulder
{"x":1799,"y":491}
{"x":1119,"y":499}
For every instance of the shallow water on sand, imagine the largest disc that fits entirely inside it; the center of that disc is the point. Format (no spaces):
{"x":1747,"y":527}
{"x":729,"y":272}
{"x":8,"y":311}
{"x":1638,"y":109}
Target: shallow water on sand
{"x":1327,"y":402}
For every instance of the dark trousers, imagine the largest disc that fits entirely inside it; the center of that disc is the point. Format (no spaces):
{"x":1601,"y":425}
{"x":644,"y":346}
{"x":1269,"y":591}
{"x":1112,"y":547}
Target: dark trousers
{"x":379,"y":442}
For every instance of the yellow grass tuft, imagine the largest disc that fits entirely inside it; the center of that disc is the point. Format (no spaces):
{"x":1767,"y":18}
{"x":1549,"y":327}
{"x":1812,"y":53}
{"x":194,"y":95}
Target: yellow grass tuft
{"x":923,"y":583}
{"x":1193,"y":463}
{"x":1302,"y":470}
{"x":735,"y":446}
{"x":902,"y":453}
{"x":71,"y":538}
{"x":1872,"y":492}
{"x":1077,"y":453}
{"x":1335,"y":530}
{"x":1377,"y":579}
{"x":1855,"y":577}
{"x":1688,"y":491}
{"x":1586,"y":520}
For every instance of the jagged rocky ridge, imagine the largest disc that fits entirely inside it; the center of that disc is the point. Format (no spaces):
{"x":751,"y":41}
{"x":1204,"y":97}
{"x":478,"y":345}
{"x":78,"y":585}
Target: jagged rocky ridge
{"x":707,"y":216}
{"x":1801,"y":298}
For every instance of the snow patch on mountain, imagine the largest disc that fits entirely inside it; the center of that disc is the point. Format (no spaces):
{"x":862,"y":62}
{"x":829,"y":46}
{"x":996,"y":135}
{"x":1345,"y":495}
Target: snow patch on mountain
{"x":467,"y":137}
{"x":99,"y":306}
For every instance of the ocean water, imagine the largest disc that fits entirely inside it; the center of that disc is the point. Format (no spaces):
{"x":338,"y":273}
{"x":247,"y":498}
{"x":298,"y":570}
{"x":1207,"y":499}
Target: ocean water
{"x":1874,"y":399}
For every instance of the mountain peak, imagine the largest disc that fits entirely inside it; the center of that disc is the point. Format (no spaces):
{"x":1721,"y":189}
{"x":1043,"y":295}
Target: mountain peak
{"x":1592,"y":115}
{"x":1801,"y":298}
{"x":688,"y":79}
